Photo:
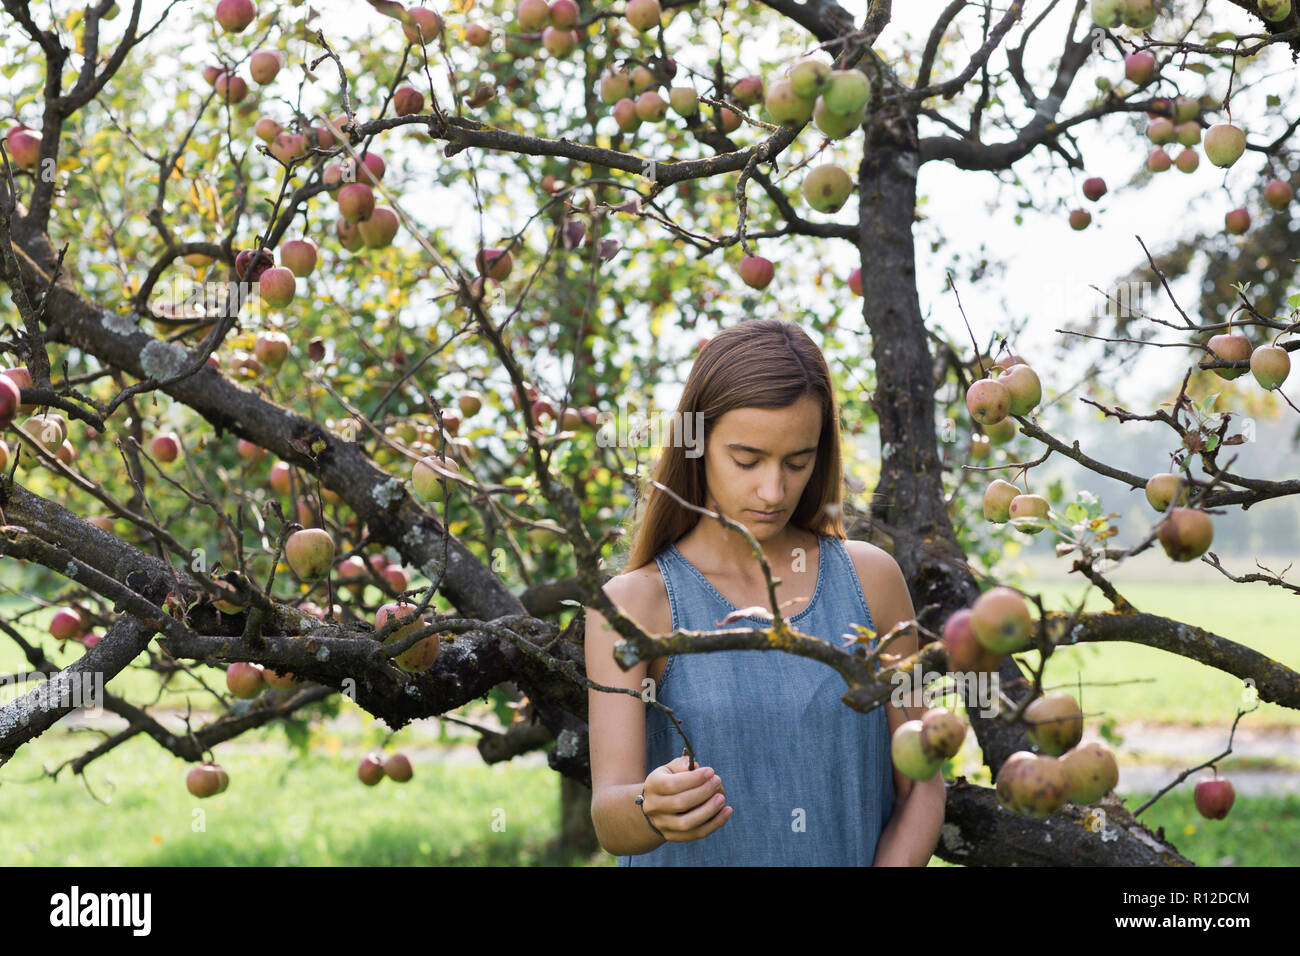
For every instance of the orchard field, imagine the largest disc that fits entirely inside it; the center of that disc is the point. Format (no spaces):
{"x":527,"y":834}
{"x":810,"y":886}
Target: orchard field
{"x":337,"y":343}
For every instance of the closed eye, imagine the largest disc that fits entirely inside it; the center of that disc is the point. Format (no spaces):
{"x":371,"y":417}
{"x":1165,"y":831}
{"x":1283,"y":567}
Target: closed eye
{"x":752,"y":464}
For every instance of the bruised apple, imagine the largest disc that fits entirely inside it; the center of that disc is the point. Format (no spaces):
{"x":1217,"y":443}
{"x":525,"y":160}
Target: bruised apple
{"x":421,"y":655}
{"x":965,"y":652}
{"x":1001,"y":620}
{"x":1055,"y":722}
{"x":1091,"y":770}
{"x":942,"y":734}
{"x":909,"y":758}
{"x":1185,"y":533}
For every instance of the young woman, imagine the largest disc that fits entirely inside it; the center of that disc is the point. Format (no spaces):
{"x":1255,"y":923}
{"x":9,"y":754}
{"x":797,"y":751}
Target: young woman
{"x":786,"y":773}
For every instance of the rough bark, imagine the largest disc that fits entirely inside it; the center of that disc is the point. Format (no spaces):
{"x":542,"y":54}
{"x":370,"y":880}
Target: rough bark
{"x":977,"y":831}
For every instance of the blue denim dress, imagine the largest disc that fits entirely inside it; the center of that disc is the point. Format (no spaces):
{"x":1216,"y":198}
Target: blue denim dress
{"x":810,"y":781}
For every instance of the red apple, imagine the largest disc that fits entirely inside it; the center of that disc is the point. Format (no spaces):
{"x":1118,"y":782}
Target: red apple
{"x":1185,"y":533}
{"x":1001,"y":620}
{"x":1233,"y":347}
{"x":379,"y":228}
{"x":1214,"y":798}
{"x":476,"y":34}
{"x":280,"y":478}
{"x":419,"y":657}
{"x":747,"y":91}
{"x":286,"y":147}
{"x":532,"y":15}
{"x":10,"y":401}
{"x":24,"y":147}
{"x":564,"y":14}
{"x":1224,"y":144}
{"x":559,"y":43}
{"x":356,"y":202}
{"x":988,"y":401}
{"x":1162,"y":131}
{"x":348,"y":235}
{"x":495,"y":263}
{"x":424,"y":22}
{"x":651,"y":107}
{"x":298,"y":256}
{"x":855,"y":281}
{"x":1140,"y":67}
{"x":965,"y":652}
{"x":371,"y":769}
{"x":310,"y":553}
{"x":231,"y":88}
{"x":398,"y":767}
{"x":277,"y":287}
{"x":66,"y":624}
{"x":244,"y":679}
{"x":1094,"y":188}
{"x":206,"y":780}
{"x":372,"y":168}
{"x":271,"y":348}
{"x":1237,"y":221}
{"x":235,"y":15}
{"x":642,"y":14}
{"x":250,"y":265}
{"x":165,"y":447}
{"x":756,"y":272}
{"x":1080,"y":219}
{"x":1278,"y":193}
{"x":266,"y":129}
{"x":407,"y":100}
{"x":397,"y":579}
{"x":264,"y":65}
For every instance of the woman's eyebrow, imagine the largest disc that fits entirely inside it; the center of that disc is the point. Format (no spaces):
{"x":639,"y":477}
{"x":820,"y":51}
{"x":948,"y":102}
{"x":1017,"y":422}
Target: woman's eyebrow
{"x":758,"y":451}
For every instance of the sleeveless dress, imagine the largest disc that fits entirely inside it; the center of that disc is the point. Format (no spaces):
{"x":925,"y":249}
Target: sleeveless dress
{"x":810,"y":781}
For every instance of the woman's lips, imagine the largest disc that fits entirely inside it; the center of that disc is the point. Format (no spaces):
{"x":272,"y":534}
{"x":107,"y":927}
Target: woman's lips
{"x":764,"y":515}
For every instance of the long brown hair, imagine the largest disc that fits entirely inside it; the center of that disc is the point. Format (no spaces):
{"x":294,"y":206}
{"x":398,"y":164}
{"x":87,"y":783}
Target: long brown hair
{"x":758,"y":363}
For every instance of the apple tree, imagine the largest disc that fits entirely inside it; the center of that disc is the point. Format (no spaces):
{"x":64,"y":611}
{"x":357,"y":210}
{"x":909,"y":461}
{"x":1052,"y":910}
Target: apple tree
{"x":317,"y":320}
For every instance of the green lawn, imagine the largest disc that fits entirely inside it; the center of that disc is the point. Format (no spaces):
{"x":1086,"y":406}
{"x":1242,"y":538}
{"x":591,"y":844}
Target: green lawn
{"x":308,"y":811}
{"x":287,"y":808}
{"x":1170,"y":688}
{"x":313,"y":811}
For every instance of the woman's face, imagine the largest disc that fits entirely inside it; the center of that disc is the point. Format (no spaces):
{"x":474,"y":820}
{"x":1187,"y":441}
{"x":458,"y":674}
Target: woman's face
{"x":759,"y":460}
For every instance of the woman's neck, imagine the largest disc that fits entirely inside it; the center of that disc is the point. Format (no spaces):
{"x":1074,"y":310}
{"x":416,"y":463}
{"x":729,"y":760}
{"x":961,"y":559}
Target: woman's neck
{"x":711,"y":547}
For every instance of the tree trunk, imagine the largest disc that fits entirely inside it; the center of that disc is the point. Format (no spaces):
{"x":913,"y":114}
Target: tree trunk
{"x":577,"y":832}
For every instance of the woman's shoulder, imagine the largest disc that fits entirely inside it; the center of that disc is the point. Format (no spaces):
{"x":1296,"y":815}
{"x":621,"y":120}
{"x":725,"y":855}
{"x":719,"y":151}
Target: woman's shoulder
{"x":867,"y":557}
{"x":642,"y":595}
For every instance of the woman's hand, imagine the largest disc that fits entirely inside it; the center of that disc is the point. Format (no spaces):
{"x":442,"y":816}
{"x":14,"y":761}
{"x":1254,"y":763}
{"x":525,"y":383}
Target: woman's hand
{"x":683,"y":804}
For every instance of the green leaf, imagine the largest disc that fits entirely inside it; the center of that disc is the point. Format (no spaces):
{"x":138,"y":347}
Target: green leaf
{"x":297,"y":733}
{"x":1212,"y":443}
{"x":1294,"y":301}
{"x":1076,"y":513}
{"x":1202,"y":68}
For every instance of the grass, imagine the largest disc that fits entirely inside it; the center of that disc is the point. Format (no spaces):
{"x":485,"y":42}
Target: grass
{"x":311,"y":811}
{"x":1174,"y":689}
{"x":287,"y":808}
{"x":308,"y":811}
